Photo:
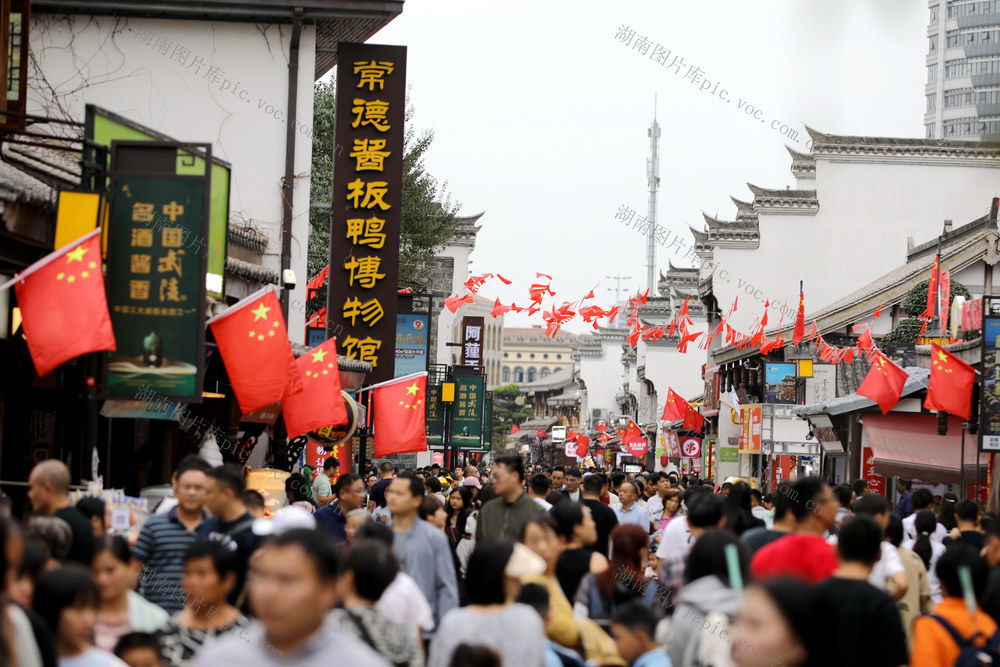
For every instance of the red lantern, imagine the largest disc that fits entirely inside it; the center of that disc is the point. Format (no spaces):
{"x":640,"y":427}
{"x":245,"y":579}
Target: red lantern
{"x":664,"y":461}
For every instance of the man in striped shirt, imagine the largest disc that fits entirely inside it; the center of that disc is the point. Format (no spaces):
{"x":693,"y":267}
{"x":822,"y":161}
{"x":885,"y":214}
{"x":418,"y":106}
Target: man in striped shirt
{"x":164,"y":538}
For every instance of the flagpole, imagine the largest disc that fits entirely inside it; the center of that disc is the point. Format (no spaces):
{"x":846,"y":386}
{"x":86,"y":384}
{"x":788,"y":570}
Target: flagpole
{"x":403,"y":378}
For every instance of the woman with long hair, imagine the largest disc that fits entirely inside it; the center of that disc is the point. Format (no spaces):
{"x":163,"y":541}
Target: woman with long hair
{"x":739,"y":518}
{"x":120,"y":610}
{"x":539,"y":534}
{"x":20,"y":643}
{"x":67,"y":601}
{"x":781,"y":623}
{"x":515,"y":631}
{"x":929,"y":551}
{"x":947,"y":516}
{"x":600,"y":595}
{"x":458,"y":509}
{"x":671,"y":507}
{"x":577,"y":531}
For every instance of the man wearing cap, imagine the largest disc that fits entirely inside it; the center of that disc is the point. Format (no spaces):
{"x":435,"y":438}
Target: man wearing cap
{"x":506,"y":515}
{"x":349,"y":491}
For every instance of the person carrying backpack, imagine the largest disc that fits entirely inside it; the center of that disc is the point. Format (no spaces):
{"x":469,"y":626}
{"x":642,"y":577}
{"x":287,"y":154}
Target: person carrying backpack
{"x":951,"y":635}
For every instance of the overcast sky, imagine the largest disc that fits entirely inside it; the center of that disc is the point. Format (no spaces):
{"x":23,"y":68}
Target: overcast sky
{"x":540,"y":115}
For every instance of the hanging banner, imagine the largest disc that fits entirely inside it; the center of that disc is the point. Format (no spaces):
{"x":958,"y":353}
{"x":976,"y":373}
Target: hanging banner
{"x":875,"y":482}
{"x":750,"y":428}
{"x":691,"y":448}
{"x":488,"y":422}
{"x":673,"y":445}
{"x":472,"y":341}
{"x":433,"y":418}
{"x":467,"y":412}
{"x":156,"y":293}
{"x":367,"y":196}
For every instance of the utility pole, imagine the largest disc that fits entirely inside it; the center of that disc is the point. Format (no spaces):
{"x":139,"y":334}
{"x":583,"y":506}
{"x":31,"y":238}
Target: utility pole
{"x":653,"y":179}
{"x":618,"y":285}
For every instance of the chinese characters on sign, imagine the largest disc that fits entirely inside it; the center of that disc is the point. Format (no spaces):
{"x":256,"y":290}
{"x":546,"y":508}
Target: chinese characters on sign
{"x":472,"y":341}
{"x":156,"y":287}
{"x":750,"y":417}
{"x":364,"y":243}
{"x":467,"y":412}
{"x":433,"y":417}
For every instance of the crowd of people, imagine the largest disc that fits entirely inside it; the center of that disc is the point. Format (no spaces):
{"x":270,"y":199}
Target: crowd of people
{"x":496,"y":566}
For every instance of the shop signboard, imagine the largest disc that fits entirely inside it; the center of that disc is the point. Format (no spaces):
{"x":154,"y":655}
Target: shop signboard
{"x":750,"y":428}
{"x":467,"y":412}
{"x":367,"y":198}
{"x":156,"y":294}
{"x":435,"y":414}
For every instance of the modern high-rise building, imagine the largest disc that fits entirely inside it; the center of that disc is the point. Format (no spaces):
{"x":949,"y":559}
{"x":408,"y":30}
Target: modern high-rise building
{"x":963,"y":70}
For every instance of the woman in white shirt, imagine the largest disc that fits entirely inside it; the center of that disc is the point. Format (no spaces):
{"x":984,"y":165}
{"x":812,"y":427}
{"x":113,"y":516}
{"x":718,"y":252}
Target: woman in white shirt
{"x":928,"y":549}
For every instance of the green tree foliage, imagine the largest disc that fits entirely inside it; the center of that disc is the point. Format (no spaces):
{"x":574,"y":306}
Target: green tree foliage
{"x":506,"y":412}
{"x":908,"y":329}
{"x":428,"y":212}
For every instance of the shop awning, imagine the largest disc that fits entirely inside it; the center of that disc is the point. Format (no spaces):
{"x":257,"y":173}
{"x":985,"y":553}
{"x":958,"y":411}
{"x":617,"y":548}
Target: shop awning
{"x":908,"y":445}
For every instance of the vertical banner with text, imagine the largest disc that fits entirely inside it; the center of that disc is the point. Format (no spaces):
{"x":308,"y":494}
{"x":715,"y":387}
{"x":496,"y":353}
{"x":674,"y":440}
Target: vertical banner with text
{"x":467,"y":412}
{"x":367,"y":198}
{"x":156,"y":288}
{"x":472,"y":341}
{"x":750,"y":429}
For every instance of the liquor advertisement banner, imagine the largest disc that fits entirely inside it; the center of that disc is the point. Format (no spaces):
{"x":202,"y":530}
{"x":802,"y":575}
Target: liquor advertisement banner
{"x":435,"y":414}
{"x":467,"y":412}
{"x":367,"y":196}
{"x":156,"y":292}
{"x":750,"y":417}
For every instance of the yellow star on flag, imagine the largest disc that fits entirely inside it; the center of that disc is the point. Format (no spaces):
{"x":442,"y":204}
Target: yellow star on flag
{"x":318,"y":355}
{"x":261,"y":312}
{"x":76,"y":254}
{"x":252,"y":333}
{"x":260,"y":337}
{"x":412,"y":389}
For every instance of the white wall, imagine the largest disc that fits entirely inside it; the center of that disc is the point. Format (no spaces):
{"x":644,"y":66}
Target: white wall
{"x":602,"y":377}
{"x":99,"y":60}
{"x":866,"y":212}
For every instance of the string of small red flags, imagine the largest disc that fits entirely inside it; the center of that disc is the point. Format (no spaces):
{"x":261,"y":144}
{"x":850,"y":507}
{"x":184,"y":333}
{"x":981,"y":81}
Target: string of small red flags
{"x":680,"y":325}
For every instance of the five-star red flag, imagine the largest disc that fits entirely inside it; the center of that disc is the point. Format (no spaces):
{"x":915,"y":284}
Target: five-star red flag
{"x":950,"y":388}
{"x":693,"y":420}
{"x":540,"y":433}
{"x":253,"y":342}
{"x":675,"y":408}
{"x":63,"y":304}
{"x":582,"y":446}
{"x":884,"y":383}
{"x":321,"y":403}
{"x":514,"y":429}
{"x":634,"y":441}
{"x":800,"y":320}
{"x":399,"y":407}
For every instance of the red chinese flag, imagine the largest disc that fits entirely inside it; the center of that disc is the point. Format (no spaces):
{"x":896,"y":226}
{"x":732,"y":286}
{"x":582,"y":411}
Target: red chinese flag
{"x":884,"y":383}
{"x":950,"y":388}
{"x":582,"y":446}
{"x":932,"y":287}
{"x":800,"y":321}
{"x":321,"y":403}
{"x":675,"y":407}
{"x":254,"y":345}
{"x":540,"y":433}
{"x":63,"y":305}
{"x":693,"y":421}
{"x":634,"y":440}
{"x":399,"y":415}
{"x":514,"y":428}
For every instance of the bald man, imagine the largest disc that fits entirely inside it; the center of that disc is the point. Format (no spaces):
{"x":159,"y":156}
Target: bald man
{"x":48,"y":493}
